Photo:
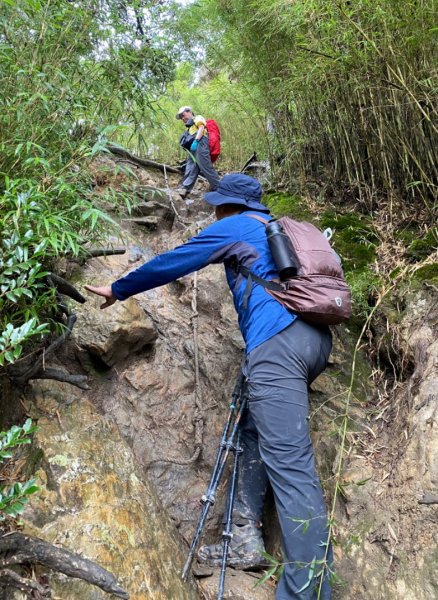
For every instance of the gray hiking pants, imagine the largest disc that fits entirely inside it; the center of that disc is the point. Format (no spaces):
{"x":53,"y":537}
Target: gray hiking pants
{"x":202,"y":165}
{"x":277,"y":449}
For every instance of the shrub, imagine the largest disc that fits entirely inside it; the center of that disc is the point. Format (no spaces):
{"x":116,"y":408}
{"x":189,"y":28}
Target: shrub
{"x":14,"y":497}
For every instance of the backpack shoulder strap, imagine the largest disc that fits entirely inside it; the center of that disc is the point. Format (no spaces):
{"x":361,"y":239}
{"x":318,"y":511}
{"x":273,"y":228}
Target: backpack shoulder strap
{"x":250,"y":276}
{"x":258,"y":218}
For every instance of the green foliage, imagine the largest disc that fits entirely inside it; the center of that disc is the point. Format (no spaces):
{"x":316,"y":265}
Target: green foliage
{"x":427,"y":273}
{"x":350,"y":88}
{"x":274,"y":571}
{"x":422,"y":247}
{"x":73,"y":76}
{"x":363,"y":285}
{"x":33,"y":235}
{"x":354,"y":239}
{"x":13,"y":498}
{"x":284,"y":204}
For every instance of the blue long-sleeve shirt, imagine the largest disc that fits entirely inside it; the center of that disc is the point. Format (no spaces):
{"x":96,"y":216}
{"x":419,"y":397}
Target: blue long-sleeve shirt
{"x":234,"y":238}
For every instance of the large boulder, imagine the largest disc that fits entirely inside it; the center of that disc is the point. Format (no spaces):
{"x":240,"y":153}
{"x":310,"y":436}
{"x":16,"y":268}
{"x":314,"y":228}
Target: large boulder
{"x":112,"y":335}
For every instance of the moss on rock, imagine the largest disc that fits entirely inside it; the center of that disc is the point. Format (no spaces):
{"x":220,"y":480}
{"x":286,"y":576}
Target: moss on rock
{"x":427,"y":273}
{"x":354,"y":239}
{"x":287,"y":204}
{"x":419,"y":246}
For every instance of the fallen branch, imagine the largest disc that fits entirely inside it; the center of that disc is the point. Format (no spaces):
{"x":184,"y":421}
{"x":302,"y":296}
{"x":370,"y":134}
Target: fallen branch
{"x":23,"y":549}
{"x":143,"y":162}
{"x":94,"y":252}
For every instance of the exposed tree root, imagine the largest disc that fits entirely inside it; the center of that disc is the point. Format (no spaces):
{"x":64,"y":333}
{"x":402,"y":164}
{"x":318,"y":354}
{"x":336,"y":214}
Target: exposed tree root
{"x":38,"y":365}
{"x":94,"y":253}
{"x":13,"y":579}
{"x":79,"y":381}
{"x":17,"y":549}
{"x":65,"y":288}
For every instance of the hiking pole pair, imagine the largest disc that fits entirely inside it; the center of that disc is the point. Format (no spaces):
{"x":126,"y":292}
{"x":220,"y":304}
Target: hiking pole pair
{"x":230,"y":442}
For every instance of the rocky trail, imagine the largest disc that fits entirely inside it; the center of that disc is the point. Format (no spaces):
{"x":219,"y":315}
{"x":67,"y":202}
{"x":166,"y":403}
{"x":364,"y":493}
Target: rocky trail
{"x":122,"y":465}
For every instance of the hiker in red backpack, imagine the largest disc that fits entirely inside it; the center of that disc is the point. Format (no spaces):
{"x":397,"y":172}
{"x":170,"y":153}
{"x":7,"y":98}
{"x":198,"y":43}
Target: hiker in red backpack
{"x":284,"y":354}
{"x":196,"y":141}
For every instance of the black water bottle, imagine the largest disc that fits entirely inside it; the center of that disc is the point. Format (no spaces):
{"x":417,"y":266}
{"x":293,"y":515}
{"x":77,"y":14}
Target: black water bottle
{"x":282,"y":251}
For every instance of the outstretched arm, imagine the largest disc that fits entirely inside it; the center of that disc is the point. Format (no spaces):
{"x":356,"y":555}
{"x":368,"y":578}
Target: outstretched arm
{"x":104,"y":291}
{"x":210,"y":245}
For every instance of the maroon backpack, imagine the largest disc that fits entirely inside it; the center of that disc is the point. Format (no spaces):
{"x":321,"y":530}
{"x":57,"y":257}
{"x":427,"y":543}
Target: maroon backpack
{"x":318,"y":292}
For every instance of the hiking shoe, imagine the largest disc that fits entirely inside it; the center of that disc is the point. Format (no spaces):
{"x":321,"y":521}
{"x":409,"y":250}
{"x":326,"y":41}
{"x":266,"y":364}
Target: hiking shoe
{"x":183,"y":192}
{"x":244,"y":552}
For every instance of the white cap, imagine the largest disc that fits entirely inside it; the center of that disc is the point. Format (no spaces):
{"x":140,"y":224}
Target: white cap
{"x":183,"y":109}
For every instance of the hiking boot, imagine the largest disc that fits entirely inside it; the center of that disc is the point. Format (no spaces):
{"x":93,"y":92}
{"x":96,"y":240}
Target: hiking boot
{"x":244,"y":552}
{"x":183,"y":192}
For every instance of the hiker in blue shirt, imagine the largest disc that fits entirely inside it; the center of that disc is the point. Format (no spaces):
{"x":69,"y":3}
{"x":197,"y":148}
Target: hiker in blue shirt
{"x":283,"y":356}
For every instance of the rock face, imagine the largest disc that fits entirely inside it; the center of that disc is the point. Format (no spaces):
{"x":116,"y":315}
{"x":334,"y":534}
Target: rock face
{"x":113,"y":337}
{"x":118,"y":481}
{"x":389,"y":522}
{"x":93,"y":502}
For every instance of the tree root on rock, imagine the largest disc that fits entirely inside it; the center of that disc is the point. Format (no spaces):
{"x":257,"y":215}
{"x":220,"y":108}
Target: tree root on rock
{"x":18,"y":549}
{"x":35,"y":368}
{"x":79,"y":381}
{"x":95,"y":253}
{"x":13,"y":579}
{"x":22,"y":376}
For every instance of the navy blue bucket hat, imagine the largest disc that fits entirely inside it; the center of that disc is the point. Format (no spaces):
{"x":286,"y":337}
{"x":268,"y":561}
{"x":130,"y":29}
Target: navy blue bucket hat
{"x":237,"y":188}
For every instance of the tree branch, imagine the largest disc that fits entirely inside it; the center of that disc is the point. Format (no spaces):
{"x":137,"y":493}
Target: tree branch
{"x":143,"y":162}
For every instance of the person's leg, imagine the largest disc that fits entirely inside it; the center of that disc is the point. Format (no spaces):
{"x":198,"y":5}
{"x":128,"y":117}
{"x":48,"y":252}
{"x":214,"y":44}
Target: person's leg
{"x":206,"y":168}
{"x":253,"y":479}
{"x":190,"y":175}
{"x":246,"y":546}
{"x":279,"y":372}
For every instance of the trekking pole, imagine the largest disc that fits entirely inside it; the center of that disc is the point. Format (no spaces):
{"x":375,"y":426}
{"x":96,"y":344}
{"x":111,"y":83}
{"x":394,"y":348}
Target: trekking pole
{"x":227,"y":533}
{"x":208,"y":499}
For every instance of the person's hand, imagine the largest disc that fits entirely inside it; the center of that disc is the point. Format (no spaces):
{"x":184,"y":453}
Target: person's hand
{"x":194,"y":145}
{"x":104,"y":291}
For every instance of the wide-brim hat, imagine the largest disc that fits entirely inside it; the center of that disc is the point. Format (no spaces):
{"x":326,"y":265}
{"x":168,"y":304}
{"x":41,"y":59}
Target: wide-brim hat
{"x":183,"y":109}
{"x":237,"y":188}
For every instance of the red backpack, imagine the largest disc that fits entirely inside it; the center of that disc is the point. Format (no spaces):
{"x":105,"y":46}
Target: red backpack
{"x":214,"y":139}
{"x":318,"y":292}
